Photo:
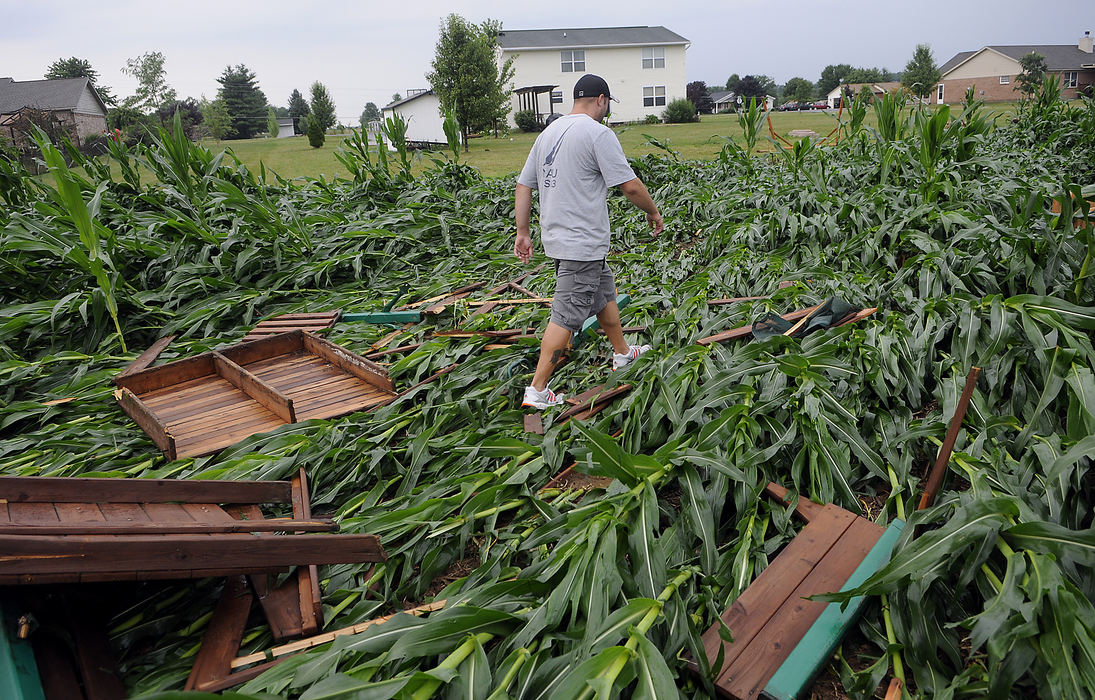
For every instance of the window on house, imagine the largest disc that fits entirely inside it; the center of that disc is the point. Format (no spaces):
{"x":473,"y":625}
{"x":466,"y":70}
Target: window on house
{"x":939,"y":97}
{"x":654,"y":57}
{"x":654,"y":96}
{"x":1005,"y":79}
{"x":1070,"y":79}
{"x":573,"y":61}
{"x":556,"y":97}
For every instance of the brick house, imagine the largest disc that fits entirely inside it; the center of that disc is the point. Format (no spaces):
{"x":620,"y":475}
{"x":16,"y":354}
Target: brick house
{"x":71,"y":103}
{"x":992,"y":71}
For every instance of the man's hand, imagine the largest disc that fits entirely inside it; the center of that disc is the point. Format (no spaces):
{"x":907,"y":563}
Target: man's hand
{"x":656,"y":223}
{"x":522,"y":247}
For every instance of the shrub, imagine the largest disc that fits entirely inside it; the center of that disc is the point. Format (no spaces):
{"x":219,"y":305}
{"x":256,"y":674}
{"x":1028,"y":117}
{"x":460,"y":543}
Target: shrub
{"x":526,"y":120}
{"x":652,"y":119}
{"x":679,"y":112}
{"x":315,"y":133}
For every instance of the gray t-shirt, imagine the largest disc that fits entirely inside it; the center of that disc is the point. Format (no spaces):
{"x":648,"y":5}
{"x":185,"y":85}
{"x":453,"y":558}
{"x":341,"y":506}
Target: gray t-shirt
{"x":573,"y":163}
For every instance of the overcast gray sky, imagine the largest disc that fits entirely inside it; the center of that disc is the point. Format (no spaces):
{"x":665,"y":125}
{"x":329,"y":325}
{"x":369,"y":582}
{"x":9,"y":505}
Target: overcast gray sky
{"x":365,"y":51}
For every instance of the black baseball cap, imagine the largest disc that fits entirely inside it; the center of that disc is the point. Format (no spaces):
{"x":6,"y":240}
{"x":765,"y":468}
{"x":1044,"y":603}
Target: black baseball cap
{"x":590,"y":85}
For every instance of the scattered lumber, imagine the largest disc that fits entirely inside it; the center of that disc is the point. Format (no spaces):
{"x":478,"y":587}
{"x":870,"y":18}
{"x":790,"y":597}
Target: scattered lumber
{"x":203,"y":404}
{"x":146,"y":358}
{"x":318,"y":322}
{"x":781,"y":639}
{"x":591,"y":402}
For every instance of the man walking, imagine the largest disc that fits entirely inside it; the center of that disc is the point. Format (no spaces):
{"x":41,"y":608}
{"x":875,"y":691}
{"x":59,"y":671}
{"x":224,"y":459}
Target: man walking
{"x":573,"y":163}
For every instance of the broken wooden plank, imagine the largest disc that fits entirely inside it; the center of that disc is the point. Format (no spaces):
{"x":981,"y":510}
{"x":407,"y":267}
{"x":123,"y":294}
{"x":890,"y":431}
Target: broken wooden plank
{"x":62,"y":489}
{"x":310,"y":598}
{"x":348,"y":361}
{"x":326,"y":637}
{"x":273,"y":400}
{"x":157,"y":528}
{"x":587,"y":401}
{"x":743,"y":331}
{"x":939,"y":469}
{"x":146,"y":358}
{"x":222,"y":638}
{"x":534,"y":424}
{"x":146,"y":419}
{"x":74,"y":555}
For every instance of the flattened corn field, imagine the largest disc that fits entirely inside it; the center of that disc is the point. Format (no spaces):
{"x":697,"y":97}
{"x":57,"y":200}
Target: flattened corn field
{"x":941,"y":220}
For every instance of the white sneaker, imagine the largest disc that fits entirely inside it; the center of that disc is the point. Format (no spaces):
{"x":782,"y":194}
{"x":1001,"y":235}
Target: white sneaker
{"x":541,"y":399}
{"x":633,"y":352}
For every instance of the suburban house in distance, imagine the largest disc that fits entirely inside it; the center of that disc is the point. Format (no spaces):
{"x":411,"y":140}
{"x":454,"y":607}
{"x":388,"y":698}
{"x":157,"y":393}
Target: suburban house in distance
{"x":644,"y":67}
{"x":421,"y":109}
{"x":72,"y":104}
{"x":992,"y":70}
{"x":877,"y":89}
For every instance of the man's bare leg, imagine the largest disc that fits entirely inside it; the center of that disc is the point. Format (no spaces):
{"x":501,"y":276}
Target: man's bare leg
{"x":553,"y":350}
{"x":609,"y":318}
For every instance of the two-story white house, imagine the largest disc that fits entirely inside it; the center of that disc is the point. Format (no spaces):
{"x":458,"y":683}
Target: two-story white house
{"x":644,"y":67}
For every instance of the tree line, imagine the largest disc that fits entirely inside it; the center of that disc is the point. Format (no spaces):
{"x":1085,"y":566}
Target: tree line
{"x":240,"y":109}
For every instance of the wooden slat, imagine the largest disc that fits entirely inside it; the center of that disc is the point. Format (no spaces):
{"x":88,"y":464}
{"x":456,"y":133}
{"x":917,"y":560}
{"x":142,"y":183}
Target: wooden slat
{"x":55,"y":666}
{"x":763,"y":655}
{"x":93,"y":656}
{"x":280,"y":605}
{"x":534,"y":423}
{"x":153,"y":528}
{"x":311,"y":600}
{"x":935,"y":476}
{"x":348,"y":361}
{"x":758,"y":603}
{"x":600,"y":398}
{"x":223,"y":635}
{"x":272,"y":399}
{"x":244,"y":354}
{"x":439,"y":297}
{"x":44,"y":554}
{"x":743,"y":331}
{"x":172,"y":373}
{"x":304,"y":315}
{"x":857,"y":316}
{"x":394,"y":351}
{"x":807,"y":509}
{"x":146,"y":358}
{"x":146,"y":419}
{"x":56,"y":489}
{"x":734,"y":300}
{"x":32,"y":513}
{"x":510,"y":302}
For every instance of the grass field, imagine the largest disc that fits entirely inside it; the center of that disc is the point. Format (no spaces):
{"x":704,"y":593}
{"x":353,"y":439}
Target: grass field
{"x":699,"y":140}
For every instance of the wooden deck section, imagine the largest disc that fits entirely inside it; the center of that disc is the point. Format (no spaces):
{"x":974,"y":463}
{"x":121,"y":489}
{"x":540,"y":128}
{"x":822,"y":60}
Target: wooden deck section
{"x":317,"y":322}
{"x":72,"y":530}
{"x":203,"y":404}
{"x":781,"y":639}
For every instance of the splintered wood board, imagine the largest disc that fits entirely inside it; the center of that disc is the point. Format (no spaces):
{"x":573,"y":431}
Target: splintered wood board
{"x":311,"y":322}
{"x":203,"y":404}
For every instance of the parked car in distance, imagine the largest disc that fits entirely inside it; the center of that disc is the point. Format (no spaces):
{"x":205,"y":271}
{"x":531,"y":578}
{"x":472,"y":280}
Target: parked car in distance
{"x":788,"y":106}
{"x":821,"y":104}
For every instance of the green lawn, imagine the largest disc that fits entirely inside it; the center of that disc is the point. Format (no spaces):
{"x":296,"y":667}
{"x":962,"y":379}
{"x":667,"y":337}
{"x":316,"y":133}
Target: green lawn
{"x":699,"y":140}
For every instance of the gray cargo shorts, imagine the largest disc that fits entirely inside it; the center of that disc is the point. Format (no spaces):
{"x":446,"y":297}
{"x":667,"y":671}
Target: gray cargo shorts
{"x":582,"y":289}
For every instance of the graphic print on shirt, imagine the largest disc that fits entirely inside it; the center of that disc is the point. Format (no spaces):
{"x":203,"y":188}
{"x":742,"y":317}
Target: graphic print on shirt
{"x":550,"y":173}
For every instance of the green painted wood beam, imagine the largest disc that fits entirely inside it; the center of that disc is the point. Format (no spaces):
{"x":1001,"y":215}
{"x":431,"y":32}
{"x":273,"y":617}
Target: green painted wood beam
{"x":589,"y":328}
{"x":383,"y":317}
{"x":816,"y":647}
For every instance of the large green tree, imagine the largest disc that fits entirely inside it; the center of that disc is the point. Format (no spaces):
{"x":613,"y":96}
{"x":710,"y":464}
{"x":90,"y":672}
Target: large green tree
{"x":371,"y":113}
{"x":298,"y":109}
{"x":750,"y":87}
{"x":323,"y":107}
{"x":466,"y":77}
{"x":243,"y":99}
{"x":216,"y":120}
{"x":732,"y":82}
{"x":921,"y":74}
{"x":1034,"y":70}
{"x":80,"y":68}
{"x":799,"y":89}
{"x":152,"y":87}
{"x":697,"y":94}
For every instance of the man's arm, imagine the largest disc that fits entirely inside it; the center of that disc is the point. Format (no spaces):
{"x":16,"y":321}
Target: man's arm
{"x":522,"y":203}
{"x":636,"y":193}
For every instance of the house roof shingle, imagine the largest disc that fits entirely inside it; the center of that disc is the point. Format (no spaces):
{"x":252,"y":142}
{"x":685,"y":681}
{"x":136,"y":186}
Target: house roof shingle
{"x":1058,"y":56}
{"x":405,"y":100}
{"x":588,"y":37}
{"x":43,"y":94}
